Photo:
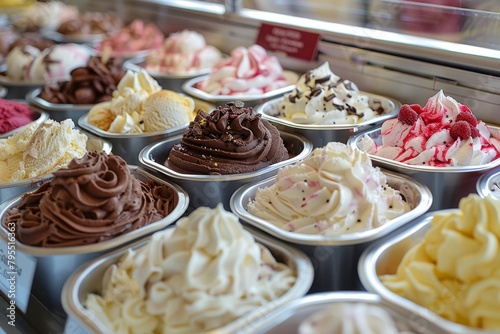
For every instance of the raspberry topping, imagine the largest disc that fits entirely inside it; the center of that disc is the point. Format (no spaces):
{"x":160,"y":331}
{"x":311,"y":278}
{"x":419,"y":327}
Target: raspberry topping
{"x":464,"y":108}
{"x":417,"y":108}
{"x":407,"y":115}
{"x":468,"y":117}
{"x":460,"y":129}
{"x":474,"y":132}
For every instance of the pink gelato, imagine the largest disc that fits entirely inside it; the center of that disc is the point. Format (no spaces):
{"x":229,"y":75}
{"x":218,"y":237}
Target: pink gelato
{"x":441,"y":133}
{"x":247,"y":72}
{"x":183,"y":52}
{"x":13,"y":115}
{"x":137,"y":36}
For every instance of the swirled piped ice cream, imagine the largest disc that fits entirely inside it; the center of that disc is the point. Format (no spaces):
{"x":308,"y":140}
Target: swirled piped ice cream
{"x":334,"y":190}
{"x":140,"y":105}
{"x":248,"y":71}
{"x":322,"y":97}
{"x":93,"y":199}
{"x":183,"y":52}
{"x":229,"y":140}
{"x":37,"y":149}
{"x":454,"y":270}
{"x":204,"y":274}
{"x":352,"y":318}
{"x":442,"y":133}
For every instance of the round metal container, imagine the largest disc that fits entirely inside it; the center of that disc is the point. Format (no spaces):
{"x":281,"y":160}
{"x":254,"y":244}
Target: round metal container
{"x":489,"y":184}
{"x":209,"y":190}
{"x":384,"y":257}
{"x":320,"y":135}
{"x":58,"y":112}
{"x":287,"y":319}
{"x":88,"y":280}
{"x":41,"y":117}
{"x":335,"y":256}
{"x":55,"y":265}
{"x":189,"y":87}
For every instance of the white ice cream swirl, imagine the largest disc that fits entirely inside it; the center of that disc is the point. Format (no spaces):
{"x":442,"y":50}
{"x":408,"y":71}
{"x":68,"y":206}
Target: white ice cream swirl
{"x":332,"y":191}
{"x":321,"y":97}
{"x":205,"y":274}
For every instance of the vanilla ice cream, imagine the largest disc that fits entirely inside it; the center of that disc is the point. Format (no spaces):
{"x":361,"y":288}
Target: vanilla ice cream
{"x":322,"y":97}
{"x":19,"y":60}
{"x":334,"y":190}
{"x":204,"y":274}
{"x":36,"y":149}
{"x":166,"y":109}
{"x":454,"y":271}
{"x":140,"y":105}
{"x":352,"y":318}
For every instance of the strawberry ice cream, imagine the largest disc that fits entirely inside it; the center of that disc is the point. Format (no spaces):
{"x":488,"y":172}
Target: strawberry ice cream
{"x":442,"y":133}
{"x":137,"y":36}
{"x":247,"y":72}
{"x":184,"y":52}
{"x":13,"y":115}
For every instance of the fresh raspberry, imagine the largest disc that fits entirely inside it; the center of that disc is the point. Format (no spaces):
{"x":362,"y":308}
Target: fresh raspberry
{"x":407,"y":115}
{"x":417,"y":108}
{"x":460,"y":129}
{"x":468,"y":117}
{"x":464,"y":108}
{"x":474,"y":132}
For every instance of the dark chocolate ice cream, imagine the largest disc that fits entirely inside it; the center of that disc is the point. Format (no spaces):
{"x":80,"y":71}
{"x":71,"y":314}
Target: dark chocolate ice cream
{"x":230,"y":140}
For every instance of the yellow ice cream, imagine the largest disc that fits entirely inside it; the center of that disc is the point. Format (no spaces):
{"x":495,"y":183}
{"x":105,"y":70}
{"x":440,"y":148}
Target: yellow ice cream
{"x":455,"y":270}
{"x":38,"y":150}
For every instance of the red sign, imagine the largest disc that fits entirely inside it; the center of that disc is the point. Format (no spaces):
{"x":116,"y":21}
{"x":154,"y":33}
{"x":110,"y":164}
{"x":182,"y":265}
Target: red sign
{"x":293,"y":42}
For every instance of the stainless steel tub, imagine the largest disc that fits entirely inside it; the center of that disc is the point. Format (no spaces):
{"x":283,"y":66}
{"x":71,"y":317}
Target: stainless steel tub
{"x":488,"y":184}
{"x":286,"y":319}
{"x":189,"y":87}
{"x":209,"y":190}
{"x":384,"y":257}
{"x":9,"y":190}
{"x":88,"y":279}
{"x":447,"y":184}
{"x":129,"y":145}
{"x":320,"y":135}
{"x":55,"y":265}
{"x":58,"y":112}
{"x":335,"y":257}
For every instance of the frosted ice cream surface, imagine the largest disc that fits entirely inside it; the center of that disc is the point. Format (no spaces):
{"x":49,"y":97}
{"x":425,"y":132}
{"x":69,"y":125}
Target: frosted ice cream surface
{"x":14,"y":115}
{"x":93,"y":199}
{"x":442,"y":133}
{"x":322,"y":97}
{"x":36,"y":149}
{"x":183,"y":53}
{"x":248,"y":71}
{"x":454,"y":270}
{"x":352,"y":318}
{"x":139,"y":105}
{"x":204,"y":274}
{"x":229,"y":140}
{"x":334,"y":190}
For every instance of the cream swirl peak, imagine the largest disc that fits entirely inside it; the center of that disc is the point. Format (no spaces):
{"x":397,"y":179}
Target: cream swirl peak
{"x":231,"y":139}
{"x":322,"y":97}
{"x":334,"y":190}
{"x":204,"y":274}
{"x":94,"y":199}
{"x":442,"y":133}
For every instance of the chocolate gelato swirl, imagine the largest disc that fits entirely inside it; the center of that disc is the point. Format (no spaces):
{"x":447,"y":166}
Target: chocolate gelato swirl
{"x":91,"y":84}
{"x":94,"y":199}
{"x":230,"y":140}
{"x":91,"y":23}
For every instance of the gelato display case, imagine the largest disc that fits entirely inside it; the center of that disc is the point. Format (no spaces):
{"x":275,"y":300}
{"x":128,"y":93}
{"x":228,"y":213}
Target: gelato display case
{"x":404,"y":51}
